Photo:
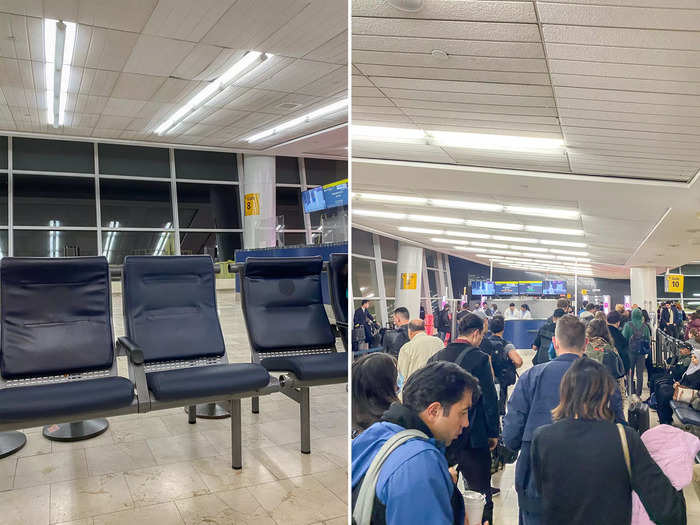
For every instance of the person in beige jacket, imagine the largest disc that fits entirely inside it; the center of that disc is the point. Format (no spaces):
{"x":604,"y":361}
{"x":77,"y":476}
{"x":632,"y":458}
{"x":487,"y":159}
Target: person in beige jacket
{"x":421,"y":347}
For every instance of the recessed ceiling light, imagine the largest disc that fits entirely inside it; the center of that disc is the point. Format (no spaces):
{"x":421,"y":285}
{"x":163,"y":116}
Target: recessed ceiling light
{"x":490,"y":244}
{"x":544,"y":212}
{"x":378,"y":214}
{"x":427,"y":231}
{"x":480,"y":206}
{"x":529,"y":248}
{"x":515,"y":239}
{"x":432,"y":218}
{"x":449,"y":241}
{"x":468,"y":234}
{"x":485,"y":141}
{"x":439,"y":54}
{"x":494,"y":225}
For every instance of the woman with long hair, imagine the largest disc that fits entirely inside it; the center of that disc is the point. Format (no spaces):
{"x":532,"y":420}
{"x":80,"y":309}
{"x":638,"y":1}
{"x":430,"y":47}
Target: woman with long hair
{"x":586,"y":466}
{"x":374,"y":389}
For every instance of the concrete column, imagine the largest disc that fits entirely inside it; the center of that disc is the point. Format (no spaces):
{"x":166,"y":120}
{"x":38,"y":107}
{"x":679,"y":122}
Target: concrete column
{"x":259,"y":203}
{"x":643,"y":288}
{"x":409,"y":270}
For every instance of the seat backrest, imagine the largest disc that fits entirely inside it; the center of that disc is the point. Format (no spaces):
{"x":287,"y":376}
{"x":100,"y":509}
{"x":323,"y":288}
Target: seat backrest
{"x":56,"y":316}
{"x":170,"y":307}
{"x":338,"y":281}
{"x":283,"y":305}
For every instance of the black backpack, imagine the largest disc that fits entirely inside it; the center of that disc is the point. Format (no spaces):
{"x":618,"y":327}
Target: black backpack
{"x":546,"y":334}
{"x":503,"y":367}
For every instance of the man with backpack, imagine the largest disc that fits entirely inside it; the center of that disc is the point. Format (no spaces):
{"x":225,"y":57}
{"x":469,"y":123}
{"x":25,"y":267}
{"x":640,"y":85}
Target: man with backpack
{"x":505,"y":360}
{"x":472,"y":450}
{"x":544,"y":338}
{"x":638,"y":337}
{"x":413,"y":483}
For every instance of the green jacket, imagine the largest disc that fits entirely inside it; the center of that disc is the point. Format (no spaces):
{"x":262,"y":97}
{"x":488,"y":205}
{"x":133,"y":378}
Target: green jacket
{"x":637,"y":320}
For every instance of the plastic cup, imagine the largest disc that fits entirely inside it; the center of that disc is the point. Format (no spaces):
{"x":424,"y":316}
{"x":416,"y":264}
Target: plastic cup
{"x":474,"y":503}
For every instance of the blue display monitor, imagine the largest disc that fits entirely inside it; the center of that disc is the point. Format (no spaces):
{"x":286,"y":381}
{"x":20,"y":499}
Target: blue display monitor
{"x":554,"y":288}
{"x":530,"y":288}
{"x":314,"y":200}
{"x":482,"y":288}
{"x":506,"y":287}
{"x":336,"y":194}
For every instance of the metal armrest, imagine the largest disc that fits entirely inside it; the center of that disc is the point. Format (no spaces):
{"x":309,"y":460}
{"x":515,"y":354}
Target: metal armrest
{"x":137,"y":371}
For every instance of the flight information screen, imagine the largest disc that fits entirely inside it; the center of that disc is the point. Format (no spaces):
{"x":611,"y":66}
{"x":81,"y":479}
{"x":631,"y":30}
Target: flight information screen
{"x":530,"y":287}
{"x":506,"y":287}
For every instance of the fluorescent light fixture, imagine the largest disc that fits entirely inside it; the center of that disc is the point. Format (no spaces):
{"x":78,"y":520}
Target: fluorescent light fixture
{"x":160,"y":247}
{"x":480,"y":206}
{"x":485,"y":141}
{"x":432,"y":218}
{"x":427,"y":231}
{"x":502,"y":252}
{"x":59,"y":41}
{"x":109,"y":241}
{"x":494,"y":225}
{"x":567,"y":252}
{"x":250,"y":60}
{"x":390,"y":198}
{"x":529,"y":248}
{"x":378,"y":214}
{"x":468,"y":234}
{"x":548,"y":229}
{"x":54,"y":250}
{"x":515,"y":239}
{"x":449,"y":241}
{"x":544,"y":212}
{"x":316,"y":114}
{"x":564,"y":243}
{"x":387,"y":134}
{"x":490,"y":245}
{"x":467,"y":249}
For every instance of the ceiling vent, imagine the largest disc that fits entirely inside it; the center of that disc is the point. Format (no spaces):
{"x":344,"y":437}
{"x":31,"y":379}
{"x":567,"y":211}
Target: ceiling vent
{"x":406,"y":5}
{"x":288,"y":106}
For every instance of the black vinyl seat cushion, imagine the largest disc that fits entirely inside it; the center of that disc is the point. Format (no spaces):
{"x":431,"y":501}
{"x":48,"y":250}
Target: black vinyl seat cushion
{"x":311,"y":367}
{"x":65,"y":400}
{"x":686,"y":413}
{"x":205,"y":381}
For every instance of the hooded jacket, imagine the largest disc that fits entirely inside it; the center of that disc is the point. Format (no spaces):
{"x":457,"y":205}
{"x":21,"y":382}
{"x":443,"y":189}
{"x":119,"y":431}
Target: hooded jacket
{"x":602,"y":351}
{"x":414,"y":484}
{"x":636,"y":321}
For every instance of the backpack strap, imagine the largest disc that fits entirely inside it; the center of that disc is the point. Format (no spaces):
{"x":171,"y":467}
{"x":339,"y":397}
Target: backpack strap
{"x":362,"y":513}
{"x":625,"y":449}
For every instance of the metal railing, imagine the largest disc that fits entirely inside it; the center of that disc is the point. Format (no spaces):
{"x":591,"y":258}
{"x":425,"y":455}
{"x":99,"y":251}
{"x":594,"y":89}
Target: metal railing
{"x":665,"y":347}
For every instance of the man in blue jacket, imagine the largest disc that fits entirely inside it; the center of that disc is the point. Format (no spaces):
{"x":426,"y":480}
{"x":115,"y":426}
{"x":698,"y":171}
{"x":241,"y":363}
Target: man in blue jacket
{"x":530,"y":407}
{"x":415,"y":484}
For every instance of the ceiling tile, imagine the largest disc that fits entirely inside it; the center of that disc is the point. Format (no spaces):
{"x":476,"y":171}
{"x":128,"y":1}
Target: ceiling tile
{"x":174,"y":90}
{"x":107,"y":49}
{"x":153,"y":55}
{"x":97,"y":82}
{"x":184,"y":19}
{"x":138,"y":87}
{"x":488,"y":11}
{"x":334,"y":50}
{"x":299,"y":73}
{"x":122,"y":107}
{"x":127,"y":15}
{"x":14,"y":37}
{"x":331,"y":84}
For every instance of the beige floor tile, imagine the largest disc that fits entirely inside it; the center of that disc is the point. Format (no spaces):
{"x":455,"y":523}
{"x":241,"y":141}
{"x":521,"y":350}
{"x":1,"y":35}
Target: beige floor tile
{"x":165,"y":483}
{"x":224,"y":509}
{"x":288,"y":461}
{"x":6,"y":483}
{"x":185,"y":447}
{"x":251,"y":436}
{"x":331,"y":424}
{"x":161,"y":514}
{"x":218,"y":474}
{"x":25,"y":506}
{"x":36,"y":445}
{"x":283,"y":431}
{"x":99,"y":441}
{"x":138,"y":429}
{"x":71,"y":500}
{"x":299,"y":501}
{"x":177,"y":423}
{"x":336,"y":481}
{"x":334,"y":448}
{"x":86,"y":521}
{"x":119,"y":457}
{"x":50,"y":468}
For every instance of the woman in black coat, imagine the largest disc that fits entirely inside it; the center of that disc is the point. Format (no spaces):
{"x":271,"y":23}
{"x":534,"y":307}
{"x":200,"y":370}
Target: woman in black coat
{"x":579,"y":462}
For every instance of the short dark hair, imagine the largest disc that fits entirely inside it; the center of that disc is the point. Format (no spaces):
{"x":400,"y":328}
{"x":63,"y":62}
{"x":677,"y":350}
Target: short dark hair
{"x":365,"y":301}
{"x":511,"y":304}
{"x":558,"y":313}
{"x":571,"y":332}
{"x":442,"y":381}
{"x":585,"y":392}
{"x":469,"y":324}
{"x":497,"y":324}
{"x":373,"y":388}
{"x":416,"y":325}
{"x":590,"y":307}
{"x":402,"y":312}
{"x":524,"y":306}
{"x":614,"y":317}
{"x":562,"y":303}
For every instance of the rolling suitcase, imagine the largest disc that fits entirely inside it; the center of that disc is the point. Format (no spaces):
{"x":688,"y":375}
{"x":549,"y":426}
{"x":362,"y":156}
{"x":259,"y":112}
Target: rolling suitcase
{"x":638,"y":416}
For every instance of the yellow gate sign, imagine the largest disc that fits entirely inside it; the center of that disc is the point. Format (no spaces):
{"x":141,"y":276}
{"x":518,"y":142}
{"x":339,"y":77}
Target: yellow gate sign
{"x":252,"y":204}
{"x":674,"y":283}
{"x":409,"y":281}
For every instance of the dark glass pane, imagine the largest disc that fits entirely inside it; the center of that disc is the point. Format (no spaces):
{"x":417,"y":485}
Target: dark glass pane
{"x":315,"y":217}
{"x":433,"y":283}
{"x":389,"y":270}
{"x":289,"y":206}
{"x":431,"y":259}
{"x":40,"y":199}
{"x":117,"y":245}
{"x":3,"y":153}
{"x":221,"y":246}
{"x":389,"y":248}
{"x":362,"y":243}
{"x":287,"y":170}
{"x":3,"y":199}
{"x":324,"y":171}
{"x":4,"y":247}
{"x":139,"y":161}
{"x":53,"y":155}
{"x":208,"y":206}
{"x":364,"y":278}
{"x":292,"y":238}
{"x":205,"y":165}
{"x":55,"y":243}
{"x":135,"y":203}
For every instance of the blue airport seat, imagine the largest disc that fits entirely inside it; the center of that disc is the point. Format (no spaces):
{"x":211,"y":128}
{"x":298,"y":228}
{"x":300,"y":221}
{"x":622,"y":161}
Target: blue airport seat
{"x":310,"y":367}
{"x":338,"y":283}
{"x":685,"y":413}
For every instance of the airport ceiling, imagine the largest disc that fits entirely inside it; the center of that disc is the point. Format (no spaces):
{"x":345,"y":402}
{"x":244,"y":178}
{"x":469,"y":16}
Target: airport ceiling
{"x":618,"y":84}
{"x":135,"y":62}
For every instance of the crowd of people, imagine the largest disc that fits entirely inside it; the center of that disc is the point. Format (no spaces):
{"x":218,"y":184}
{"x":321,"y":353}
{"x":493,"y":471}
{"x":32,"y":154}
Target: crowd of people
{"x":432,"y":412}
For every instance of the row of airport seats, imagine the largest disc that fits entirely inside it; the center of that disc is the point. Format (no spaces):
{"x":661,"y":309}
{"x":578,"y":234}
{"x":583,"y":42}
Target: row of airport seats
{"x":58,"y":353}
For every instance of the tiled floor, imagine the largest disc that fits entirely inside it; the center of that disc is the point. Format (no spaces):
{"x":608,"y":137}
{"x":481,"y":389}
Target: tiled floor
{"x":156,"y":469}
{"x":506,"y":503}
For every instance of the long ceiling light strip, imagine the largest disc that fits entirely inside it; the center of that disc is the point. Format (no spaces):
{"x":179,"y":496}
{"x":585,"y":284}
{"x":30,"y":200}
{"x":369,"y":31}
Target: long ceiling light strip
{"x":59,"y":42}
{"x":295,"y":122}
{"x":250,"y":61}
{"x":555,"y":213}
{"x":452,"y":139}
